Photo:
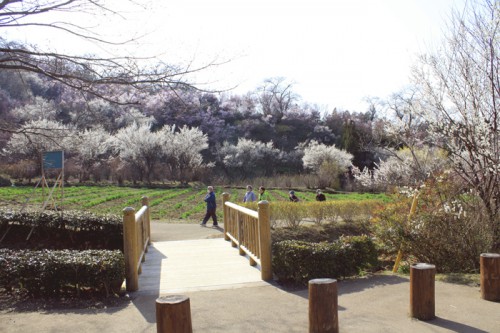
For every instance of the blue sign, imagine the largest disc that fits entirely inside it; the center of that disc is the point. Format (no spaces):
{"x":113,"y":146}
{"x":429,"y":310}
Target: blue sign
{"x":53,"y":159}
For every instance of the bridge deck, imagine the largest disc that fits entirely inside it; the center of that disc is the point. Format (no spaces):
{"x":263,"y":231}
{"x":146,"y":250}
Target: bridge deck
{"x":195,"y":265}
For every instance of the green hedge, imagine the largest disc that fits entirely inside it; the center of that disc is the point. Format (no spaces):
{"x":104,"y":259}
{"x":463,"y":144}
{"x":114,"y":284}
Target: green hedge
{"x":299,"y":261}
{"x":51,"y":272}
{"x":62,"y":230}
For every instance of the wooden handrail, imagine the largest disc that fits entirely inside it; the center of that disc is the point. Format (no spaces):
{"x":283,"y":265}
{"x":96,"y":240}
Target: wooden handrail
{"x":250,"y":231}
{"x":136,"y":238}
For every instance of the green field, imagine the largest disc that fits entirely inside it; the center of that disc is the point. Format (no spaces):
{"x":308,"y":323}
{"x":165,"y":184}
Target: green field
{"x":175,"y":204}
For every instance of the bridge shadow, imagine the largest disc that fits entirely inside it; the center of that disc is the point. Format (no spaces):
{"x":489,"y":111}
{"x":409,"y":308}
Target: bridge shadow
{"x":149,"y":285}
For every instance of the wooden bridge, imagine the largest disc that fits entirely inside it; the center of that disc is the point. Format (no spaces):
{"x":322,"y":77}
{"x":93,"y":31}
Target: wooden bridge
{"x":241,"y":257}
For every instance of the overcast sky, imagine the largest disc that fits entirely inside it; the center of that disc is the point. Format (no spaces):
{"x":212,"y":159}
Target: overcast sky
{"x":336,"y":51}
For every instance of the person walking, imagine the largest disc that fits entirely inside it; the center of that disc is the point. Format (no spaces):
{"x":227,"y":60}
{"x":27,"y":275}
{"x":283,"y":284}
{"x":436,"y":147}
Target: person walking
{"x":211,"y":207}
{"x":249,"y":196}
{"x":292,"y":196}
{"x":262,"y":194}
{"x":320,"y":196}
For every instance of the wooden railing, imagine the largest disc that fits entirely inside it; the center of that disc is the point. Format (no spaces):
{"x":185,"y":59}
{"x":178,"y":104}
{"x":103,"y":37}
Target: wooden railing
{"x":136,"y":238}
{"x":250,"y":231}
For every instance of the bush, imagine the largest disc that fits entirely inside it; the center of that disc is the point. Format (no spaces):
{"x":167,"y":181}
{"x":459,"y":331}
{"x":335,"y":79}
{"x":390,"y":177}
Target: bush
{"x":299,"y":261}
{"x":66,"y":230}
{"x":449,"y":229}
{"x":5,"y":181}
{"x":48,"y":272}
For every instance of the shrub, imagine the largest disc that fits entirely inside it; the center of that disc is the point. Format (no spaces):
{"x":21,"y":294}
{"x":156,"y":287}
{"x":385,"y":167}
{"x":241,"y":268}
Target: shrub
{"x":449,"y":229}
{"x":48,"y":272}
{"x":299,"y":262}
{"x":5,"y":181}
{"x":70,"y":229}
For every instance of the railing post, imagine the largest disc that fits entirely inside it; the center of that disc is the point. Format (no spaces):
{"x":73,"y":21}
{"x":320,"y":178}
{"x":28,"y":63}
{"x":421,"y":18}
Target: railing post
{"x":490,"y":276}
{"x":323,"y":306}
{"x":265,"y":240}
{"x":239,"y":221}
{"x":422,"y":291}
{"x":225,"y":212}
{"x":145,"y":202}
{"x":130,"y":249}
{"x":173,"y":314}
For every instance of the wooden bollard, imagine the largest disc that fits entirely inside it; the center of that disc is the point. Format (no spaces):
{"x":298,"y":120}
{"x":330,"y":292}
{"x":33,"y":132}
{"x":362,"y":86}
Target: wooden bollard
{"x":490,"y":276}
{"x":422,"y":291}
{"x":173,"y":314}
{"x":323,"y":306}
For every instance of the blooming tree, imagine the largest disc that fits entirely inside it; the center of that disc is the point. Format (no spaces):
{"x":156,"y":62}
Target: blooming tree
{"x":36,"y":137}
{"x":248,"y":157}
{"x":460,"y":89}
{"x":406,"y":167}
{"x":90,"y":147}
{"x":315,"y":154}
{"x":39,"y":109}
{"x":183,"y":150}
{"x":140,"y":148}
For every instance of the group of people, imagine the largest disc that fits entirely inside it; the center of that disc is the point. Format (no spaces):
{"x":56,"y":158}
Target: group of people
{"x":250,"y":196}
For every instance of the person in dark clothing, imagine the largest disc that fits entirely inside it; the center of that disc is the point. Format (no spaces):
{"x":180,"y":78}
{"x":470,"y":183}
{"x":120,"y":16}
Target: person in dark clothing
{"x":292,"y":196}
{"x":320,"y":196}
{"x":211,"y":207}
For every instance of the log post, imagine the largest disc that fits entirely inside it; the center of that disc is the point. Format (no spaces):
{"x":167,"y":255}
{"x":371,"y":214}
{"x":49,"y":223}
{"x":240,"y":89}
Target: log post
{"x":145,"y":202}
{"x":173,"y":314}
{"x":265,"y":240}
{"x":225,"y":212}
{"x":422,"y":291}
{"x":323,"y":306}
{"x":130,"y":249}
{"x":490,"y":276}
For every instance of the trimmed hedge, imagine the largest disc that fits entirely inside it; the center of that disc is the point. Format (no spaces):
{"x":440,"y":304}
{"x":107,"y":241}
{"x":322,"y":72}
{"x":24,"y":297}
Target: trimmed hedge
{"x":51,"y":272}
{"x":299,"y":261}
{"x":74,"y":220}
{"x":66,"y":230}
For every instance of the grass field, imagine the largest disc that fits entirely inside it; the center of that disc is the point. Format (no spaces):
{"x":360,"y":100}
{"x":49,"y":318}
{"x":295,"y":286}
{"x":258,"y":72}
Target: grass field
{"x":176,"y":204}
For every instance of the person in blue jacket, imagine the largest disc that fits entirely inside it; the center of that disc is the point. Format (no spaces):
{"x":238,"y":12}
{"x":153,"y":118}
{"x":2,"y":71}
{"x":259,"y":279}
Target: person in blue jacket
{"x":211,"y":207}
{"x":249,"y":196}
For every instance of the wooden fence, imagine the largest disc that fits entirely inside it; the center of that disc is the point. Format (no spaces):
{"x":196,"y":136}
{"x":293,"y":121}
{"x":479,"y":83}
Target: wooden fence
{"x":250,"y":231}
{"x":136,"y":238}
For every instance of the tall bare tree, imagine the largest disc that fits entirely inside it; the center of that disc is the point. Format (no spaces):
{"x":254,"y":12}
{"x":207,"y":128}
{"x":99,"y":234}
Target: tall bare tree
{"x":91,"y":74}
{"x":276,"y":97}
